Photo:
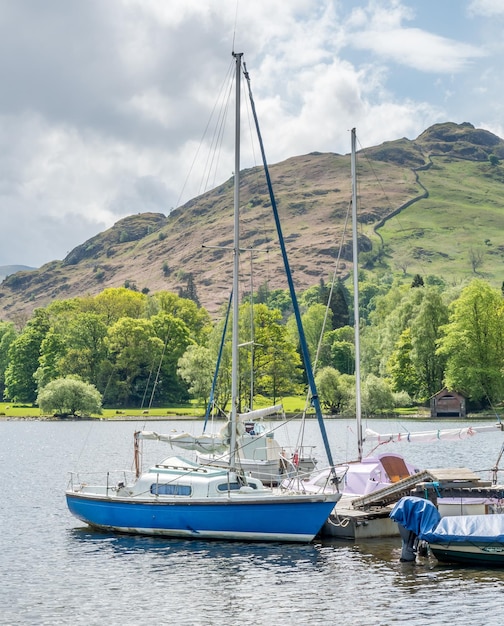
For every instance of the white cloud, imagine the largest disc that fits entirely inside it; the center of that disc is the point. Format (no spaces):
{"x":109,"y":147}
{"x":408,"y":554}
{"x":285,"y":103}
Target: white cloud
{"x":154,"y":107}
{"x":103,"y":104}
{"x":488,"y":8}
{"x":419,"y":50}
{"x":379,"y":28}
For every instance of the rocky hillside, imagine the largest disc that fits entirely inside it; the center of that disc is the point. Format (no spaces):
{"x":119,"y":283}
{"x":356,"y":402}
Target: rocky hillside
{"x":7,"y":270}
{"x":152,"y":252}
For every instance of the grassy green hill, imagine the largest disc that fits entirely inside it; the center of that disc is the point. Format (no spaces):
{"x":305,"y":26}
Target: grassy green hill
{"x":433,"y":205}
{"x":458,"y":230}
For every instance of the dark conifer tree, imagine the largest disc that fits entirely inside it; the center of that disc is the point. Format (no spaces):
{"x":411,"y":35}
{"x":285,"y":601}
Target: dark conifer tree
{"x":190,"y":292}
{"x":417,"y":281}
{"x":338,"y":304}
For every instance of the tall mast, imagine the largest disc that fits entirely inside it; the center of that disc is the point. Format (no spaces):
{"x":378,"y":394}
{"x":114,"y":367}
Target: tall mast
{"x":236,"y":266}
{"x":358,"y":410}
{"x":252,"y":332}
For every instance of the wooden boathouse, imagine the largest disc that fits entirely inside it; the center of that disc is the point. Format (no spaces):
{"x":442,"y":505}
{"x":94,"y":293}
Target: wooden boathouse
{"x":448,"y":404}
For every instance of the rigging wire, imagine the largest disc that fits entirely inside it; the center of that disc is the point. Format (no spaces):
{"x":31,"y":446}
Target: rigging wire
{"x":223,"y":99}
{"x":217,"y":139}
{"x":147,"y":385}
{"x":156,"y":380}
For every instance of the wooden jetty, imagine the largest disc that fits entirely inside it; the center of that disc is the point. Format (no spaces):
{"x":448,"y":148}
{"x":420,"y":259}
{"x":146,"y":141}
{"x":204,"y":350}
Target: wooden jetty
{"x":455,"y":491}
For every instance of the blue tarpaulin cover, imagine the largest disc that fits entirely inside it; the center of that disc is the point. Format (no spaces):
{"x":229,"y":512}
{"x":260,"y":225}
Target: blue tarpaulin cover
{"x":422,"y":517}
{"x":416,"y":514}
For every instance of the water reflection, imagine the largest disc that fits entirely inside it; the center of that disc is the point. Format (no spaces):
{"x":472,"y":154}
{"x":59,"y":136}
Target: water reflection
{"x":217,"y":554}
{"x":386,"y":552}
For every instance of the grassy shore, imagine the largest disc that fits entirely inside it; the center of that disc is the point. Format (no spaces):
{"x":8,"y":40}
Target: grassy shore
{"x":192,"y":410}
{"x":292,"y":406}
{"x":19,"y":411}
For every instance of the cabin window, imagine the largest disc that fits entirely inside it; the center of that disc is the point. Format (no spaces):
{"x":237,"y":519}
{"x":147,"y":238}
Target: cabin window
{"x":161,"y":489}
{"x":234,"y":486}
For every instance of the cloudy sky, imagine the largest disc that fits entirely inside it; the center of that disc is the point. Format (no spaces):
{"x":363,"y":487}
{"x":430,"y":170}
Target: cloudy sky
{"x":104,"y":103}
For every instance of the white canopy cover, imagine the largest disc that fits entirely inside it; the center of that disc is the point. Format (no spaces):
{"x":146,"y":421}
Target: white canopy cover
{"x":210,"y":444}
{"x":426,"y":436}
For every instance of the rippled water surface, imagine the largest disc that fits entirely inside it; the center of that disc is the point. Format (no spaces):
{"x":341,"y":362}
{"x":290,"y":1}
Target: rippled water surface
{"x":55,"y":571}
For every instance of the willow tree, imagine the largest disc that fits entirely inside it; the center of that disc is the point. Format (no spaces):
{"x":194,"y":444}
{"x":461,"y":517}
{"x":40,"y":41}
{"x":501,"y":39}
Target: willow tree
{"x":331,"y":397}
{"x":196,"y":367}
{"x":69,"y":397}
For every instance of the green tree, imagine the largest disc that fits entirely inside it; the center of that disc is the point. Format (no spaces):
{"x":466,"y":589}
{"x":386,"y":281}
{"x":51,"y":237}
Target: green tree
{"x":347,"y":383}
{"x":59,"y":315}
{"x":314,"y":325}
{"x":345,"y":333}
{"x":85,"y":348}
{"x":190,"y":292}
{"x":24,"y":353}
{"x":473,"y":343}
{"x":114,"y":303}
{"x":69,"y":396}
{"x":400,"y":365}
{"x":330,"y":390}
{"x":376,"y":395}
{"x":196,"y":366}
{"x":338,"y":350}
{"x":7,"y":336}
{"x":196,"y":319}
{"x":369,"y":291}
{"x":338,"y":300}
{"x":52,"y":350}
{"x":343,"y":356}
{"x":280,"y":299}
{"x":261,"y":297}
{"x":273,"y":299}
{"x":385,"y":322}
{"x":393,"y":313}
{"x":135,"y":352}
{"x":417,"y":281}
{"x":175,"y":335}
{"x":276,"y":362}
{"x":223,"y":386}
{"x":415,"y":366}
{"x":429,"y":318}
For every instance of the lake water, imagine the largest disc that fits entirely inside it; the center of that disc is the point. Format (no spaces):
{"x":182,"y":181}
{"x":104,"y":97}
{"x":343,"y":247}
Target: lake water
{"x":55,"y":571}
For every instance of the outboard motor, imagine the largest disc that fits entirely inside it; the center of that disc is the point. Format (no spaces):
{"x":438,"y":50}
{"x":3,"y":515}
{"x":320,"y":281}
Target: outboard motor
{"x":414,"y":517}
{"x":409,"y":544}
